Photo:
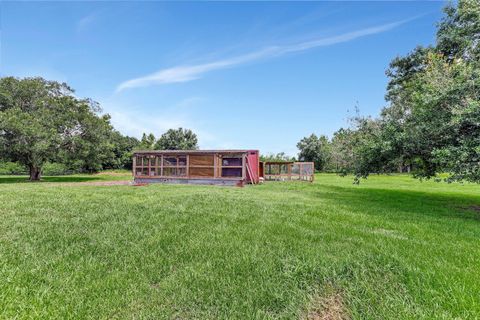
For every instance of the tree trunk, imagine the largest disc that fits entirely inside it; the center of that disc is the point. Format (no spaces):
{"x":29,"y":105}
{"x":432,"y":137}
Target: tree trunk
{"x":35,"y":173}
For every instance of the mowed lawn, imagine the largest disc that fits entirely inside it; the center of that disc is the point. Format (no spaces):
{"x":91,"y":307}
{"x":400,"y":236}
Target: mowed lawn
{"x":391,"y":248}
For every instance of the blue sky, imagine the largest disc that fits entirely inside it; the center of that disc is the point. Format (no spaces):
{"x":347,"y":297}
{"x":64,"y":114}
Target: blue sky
{"x":257,"y":75}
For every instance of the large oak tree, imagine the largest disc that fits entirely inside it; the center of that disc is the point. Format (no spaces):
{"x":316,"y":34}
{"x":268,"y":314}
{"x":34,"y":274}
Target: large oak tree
{"x":43,"y":120}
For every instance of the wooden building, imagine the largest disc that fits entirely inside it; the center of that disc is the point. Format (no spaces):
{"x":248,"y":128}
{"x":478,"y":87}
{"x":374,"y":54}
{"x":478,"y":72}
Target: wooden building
{"x":284,"y":170}
{"x":220,"y":167}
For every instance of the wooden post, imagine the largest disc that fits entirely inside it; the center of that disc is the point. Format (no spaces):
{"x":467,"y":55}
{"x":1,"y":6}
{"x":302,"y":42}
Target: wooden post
{"x":243,"y":167}
{"x":134,"y":165}
{"x":215,"y":166}
{"x":161,"y":165}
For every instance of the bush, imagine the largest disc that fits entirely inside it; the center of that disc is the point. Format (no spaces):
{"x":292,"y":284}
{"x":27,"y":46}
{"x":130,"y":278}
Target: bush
{"x":12,"y":168}
{"x":55,"y":169}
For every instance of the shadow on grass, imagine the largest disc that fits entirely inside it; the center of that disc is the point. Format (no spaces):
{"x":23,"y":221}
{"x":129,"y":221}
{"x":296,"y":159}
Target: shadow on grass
{"x":404,"y":204}
{"x":20,"y":179}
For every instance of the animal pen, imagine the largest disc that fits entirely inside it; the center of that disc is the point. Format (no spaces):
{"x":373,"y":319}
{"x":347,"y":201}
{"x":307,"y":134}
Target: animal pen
{"x":282,"y":170}
{"x":219,"y":167}
{"x":222,"y":167}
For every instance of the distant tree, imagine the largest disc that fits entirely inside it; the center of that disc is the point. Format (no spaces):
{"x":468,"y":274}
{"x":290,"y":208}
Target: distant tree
{"x":281,"y":156}
{"x":314,"y":149}
{"x":147,"y":142}
{"x":122,"y":147}
{"x":342,"y":146}
{"x":177,"y":139}
{"x":42,"y":120}
{"x":90,"y":150}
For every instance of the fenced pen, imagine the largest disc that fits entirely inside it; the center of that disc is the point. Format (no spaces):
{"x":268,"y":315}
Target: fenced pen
{"x":285,"y":171}
{"x":220,"y":167}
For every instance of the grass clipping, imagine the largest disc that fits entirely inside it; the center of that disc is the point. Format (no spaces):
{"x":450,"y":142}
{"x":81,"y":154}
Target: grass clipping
{"x":328,"y":306}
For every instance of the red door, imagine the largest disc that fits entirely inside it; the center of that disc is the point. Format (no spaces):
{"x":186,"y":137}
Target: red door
{"x":253,"y":173}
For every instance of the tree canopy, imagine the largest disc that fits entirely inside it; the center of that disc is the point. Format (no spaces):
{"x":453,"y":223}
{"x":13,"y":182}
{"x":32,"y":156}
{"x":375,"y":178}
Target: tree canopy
{"x":147,"y":142}
{"x":314,"y":149}
{"x":281,"y":156}
{"x":43,"y":123}
{"x":42,"y":120}
{"x":432,"y":122}
{"x":177,"y":139}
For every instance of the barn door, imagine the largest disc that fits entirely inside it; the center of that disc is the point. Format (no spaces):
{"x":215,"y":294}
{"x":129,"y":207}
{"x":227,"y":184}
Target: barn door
{"x":252,"y":167}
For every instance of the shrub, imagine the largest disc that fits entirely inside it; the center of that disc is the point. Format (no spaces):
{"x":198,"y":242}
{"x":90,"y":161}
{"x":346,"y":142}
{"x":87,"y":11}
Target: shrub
{"x":12,"y":168}
{"x":54,"y":169}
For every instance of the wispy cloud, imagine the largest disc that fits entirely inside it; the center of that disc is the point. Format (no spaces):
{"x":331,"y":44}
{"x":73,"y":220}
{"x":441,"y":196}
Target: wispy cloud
{"x":85,"y":22}
{"x":133,"y":124}
{"x":192,"y":72}
{"x":134,"y":120}
{"x":187,"y":73}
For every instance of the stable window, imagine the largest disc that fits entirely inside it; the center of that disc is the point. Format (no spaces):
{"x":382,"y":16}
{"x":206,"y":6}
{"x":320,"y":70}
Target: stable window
{"x":232,"y":162}
{"x":182,"y":160}
{"x":169,"y":172}
{"x":174,"y":166}
{"x":169,"y":161}
{"x":232,"y":166}
{"x":231,"y":172}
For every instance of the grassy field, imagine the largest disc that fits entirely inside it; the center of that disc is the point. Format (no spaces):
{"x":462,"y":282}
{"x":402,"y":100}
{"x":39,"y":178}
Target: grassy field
{"x":391,"y":248}
{"x":99,"y":177}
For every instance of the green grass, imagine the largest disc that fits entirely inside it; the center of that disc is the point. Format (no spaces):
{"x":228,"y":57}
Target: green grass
{"x":392,"y":248}
{"x":103,"y":176}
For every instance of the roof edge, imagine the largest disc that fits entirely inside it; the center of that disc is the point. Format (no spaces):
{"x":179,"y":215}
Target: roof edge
{"x":194,"y":151}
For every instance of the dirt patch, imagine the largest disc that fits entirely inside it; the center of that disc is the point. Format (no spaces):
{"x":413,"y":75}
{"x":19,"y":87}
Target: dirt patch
{"x":155,"y":286}
{"x":329,"y":307}
{"x":96,"y":183}
{"x":473,"y":208}
{"x":111,"y":173}
{"x":139,"y":184}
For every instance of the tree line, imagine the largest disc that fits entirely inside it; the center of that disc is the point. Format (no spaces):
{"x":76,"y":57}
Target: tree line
{"x":431,"y":124}
{"x":43,"y":123}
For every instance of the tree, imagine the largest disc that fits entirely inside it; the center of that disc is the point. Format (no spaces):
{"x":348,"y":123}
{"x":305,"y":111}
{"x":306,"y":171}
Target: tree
{"x":147,"y":142}
{"x":177,"y":139}
{"x":42,"y":120}
{"x":90,"y":149}
{"x":122,"y":147}
{"x":433,"y":120}
{"x":342,"y":151}
{"x":281,"y":156}
{"x":458,"y":33}
{"x":314,"y":149}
